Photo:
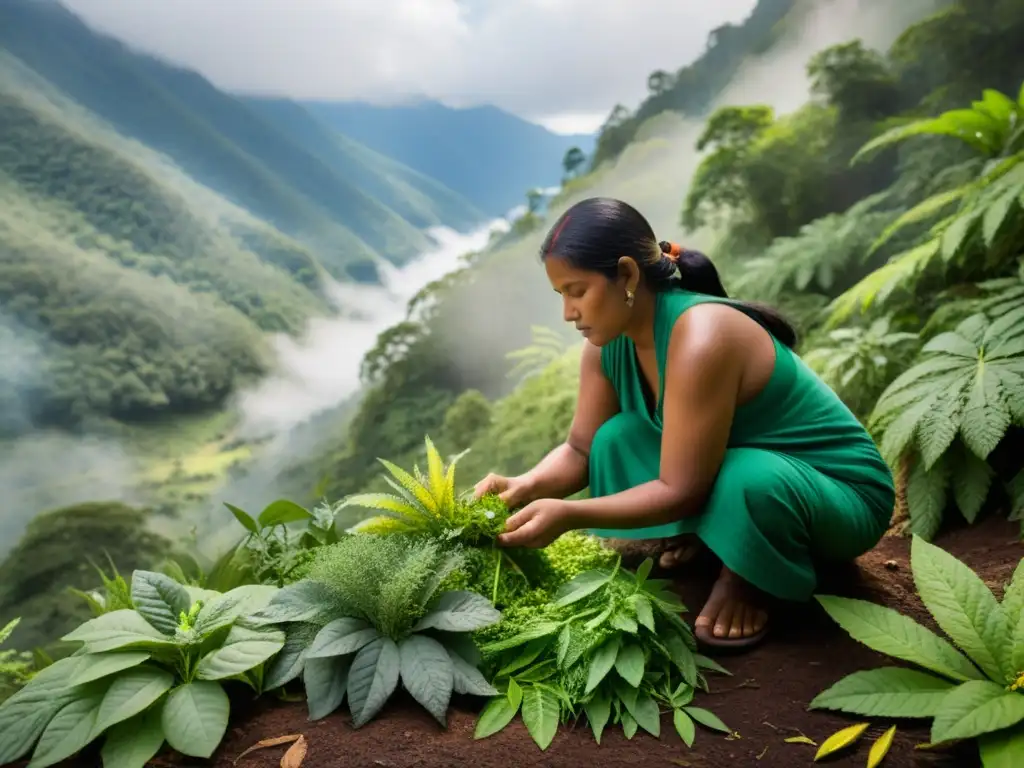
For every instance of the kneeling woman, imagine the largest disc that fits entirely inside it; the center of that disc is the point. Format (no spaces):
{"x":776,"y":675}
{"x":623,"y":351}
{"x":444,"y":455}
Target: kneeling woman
{"x":695,"y":420}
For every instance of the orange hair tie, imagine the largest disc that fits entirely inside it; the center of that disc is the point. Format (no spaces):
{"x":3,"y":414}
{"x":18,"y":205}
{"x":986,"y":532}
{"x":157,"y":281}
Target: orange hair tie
{"x":673,"y":252}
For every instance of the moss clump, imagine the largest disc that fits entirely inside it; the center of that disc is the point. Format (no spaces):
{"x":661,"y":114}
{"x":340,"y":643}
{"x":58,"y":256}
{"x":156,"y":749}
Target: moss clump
{"x":573,"y":553}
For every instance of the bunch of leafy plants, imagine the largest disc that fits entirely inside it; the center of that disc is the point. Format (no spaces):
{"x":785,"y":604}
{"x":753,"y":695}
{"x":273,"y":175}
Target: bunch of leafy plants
{"x":973,"y":688}
{"x":370,"y":613}
{"x":613,"y":646}
{"x":273,"y":551}
{"x":427,"y":505}
{"x":142,"y":676}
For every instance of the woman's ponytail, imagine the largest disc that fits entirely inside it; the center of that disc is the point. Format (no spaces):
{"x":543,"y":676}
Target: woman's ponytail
{"x":697,"y":273}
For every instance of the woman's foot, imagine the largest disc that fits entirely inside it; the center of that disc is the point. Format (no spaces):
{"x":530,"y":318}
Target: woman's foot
{"x":680,"y":551}
{"x":734,"y":616}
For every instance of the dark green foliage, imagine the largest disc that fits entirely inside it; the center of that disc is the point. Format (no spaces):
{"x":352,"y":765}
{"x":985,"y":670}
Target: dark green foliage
{"x":372,"y":611}
{"x":143,"y":675}
{"x":611,"y":645}
{"x":58,"y":550}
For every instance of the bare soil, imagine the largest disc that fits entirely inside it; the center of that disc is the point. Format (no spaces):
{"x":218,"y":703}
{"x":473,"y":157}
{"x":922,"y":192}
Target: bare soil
{"x":765,"y":701}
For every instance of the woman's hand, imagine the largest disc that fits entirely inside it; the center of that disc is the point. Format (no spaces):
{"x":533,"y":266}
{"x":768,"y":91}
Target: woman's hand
{"x":537,"y":524}
{"x":513,"y":491}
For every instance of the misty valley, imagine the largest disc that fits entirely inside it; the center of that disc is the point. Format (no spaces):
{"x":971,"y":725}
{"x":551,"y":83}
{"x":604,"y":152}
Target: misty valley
{"x":256,"y":351}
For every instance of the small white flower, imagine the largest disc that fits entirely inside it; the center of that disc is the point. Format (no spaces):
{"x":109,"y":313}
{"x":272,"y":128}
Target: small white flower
{"x":489,"y":515}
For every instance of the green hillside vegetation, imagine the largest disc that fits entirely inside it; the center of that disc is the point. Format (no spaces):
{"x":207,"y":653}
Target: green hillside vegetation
{"x":219,"y":141}
{"x":133,"y":299}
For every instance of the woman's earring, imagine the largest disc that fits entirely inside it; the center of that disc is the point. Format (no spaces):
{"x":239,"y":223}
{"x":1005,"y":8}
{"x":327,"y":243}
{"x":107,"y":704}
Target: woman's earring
{"x":629,"y":298}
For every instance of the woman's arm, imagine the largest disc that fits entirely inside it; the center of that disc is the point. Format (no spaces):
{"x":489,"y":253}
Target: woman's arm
{"x":566,"y":469}
{"x":702,"y":384}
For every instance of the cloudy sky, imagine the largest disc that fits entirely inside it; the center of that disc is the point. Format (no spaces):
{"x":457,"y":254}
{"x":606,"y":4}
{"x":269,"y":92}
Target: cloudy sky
{"x":563,"y":63}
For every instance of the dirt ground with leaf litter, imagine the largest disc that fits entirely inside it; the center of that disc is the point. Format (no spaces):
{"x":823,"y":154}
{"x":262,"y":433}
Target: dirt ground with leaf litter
{"x":765,"y":701}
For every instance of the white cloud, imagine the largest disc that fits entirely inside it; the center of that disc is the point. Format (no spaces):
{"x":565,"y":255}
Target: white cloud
{"x":561,"y":62}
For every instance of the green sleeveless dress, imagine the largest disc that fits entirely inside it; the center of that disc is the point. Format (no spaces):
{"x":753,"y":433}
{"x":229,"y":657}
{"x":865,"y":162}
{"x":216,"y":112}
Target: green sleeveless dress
{"x":802,"y":482}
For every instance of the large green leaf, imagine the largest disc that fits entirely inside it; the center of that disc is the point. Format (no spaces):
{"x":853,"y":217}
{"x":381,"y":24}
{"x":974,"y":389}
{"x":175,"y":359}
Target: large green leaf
{"x":645,"y":711}
{"x":372,"y":679}
{"x":459,"y":611}
{"x":963,"y":607}
{"x":301,"y":601}
{"x":582,"y":586}
{"x":116,"y":630}
{"x":974,"y":708}
{"x":287,"y":665}
{"x":427,"y":674}
{"x":99,"y":665}
{"x":1013,"y":598}
{"x":24,"y":716}
{"x":281,"y":512}
{"x":1004,"y":749}
{"x":69,"y":731}
{"x":223,"y":610}
{"x":134,"y":742}
{"x":629,"y":663}
{"x":884,"y":630}
{"x":886,"y":692}
{"x":466,"y":679}
{"x":496,"y":715}
{"x":541,"y":712}
{"x":602,"y":661}
{"x":195,"y":717}
{"x":159,"y":599}
{"x":340,"y":637}
{"x":131,"y":692}
{"x":243,"y":649}
{"x":598,"y":710}
{"x":326,"y":681}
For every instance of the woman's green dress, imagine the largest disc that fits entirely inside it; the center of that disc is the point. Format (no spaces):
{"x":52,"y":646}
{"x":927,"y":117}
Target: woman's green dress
{"x":801,"y":482}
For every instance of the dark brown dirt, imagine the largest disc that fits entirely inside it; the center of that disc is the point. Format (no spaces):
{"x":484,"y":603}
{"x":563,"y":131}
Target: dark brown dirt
{"x":764,"y":702}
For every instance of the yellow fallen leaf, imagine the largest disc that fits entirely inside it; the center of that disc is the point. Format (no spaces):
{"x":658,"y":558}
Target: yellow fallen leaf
{"x":274,"y":742}
{"x":840,"y":740}
{"x":801,"y":740}
{"x":295,"y":755}
{"x":881,"y":748}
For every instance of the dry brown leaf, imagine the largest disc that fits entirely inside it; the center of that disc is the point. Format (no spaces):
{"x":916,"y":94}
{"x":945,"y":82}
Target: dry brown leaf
{"x":274,"y":742}
{"x":295,"y":755}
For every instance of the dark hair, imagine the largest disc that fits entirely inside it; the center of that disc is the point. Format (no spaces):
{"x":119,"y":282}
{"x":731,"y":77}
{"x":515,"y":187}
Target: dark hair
{"x":595,"y":233}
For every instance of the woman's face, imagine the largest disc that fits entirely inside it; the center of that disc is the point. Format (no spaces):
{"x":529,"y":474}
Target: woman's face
{"x":590,"y":301}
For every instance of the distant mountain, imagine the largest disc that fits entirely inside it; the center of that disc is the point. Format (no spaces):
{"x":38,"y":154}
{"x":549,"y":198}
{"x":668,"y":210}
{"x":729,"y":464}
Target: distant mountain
{"x":483,"y":153}
{"x":225,"y":144}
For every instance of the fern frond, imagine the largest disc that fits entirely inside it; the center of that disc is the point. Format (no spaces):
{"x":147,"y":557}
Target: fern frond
{"x":927,"y":492}
{"x":411,"y":484}
{"x":383,"y":502}
{"x":920,"y":212}
{"x":975,"y":128}
{"x":880,"y":284}
{"x":971,"y":479}
{"x":382,"y":525}
{"x":435,"y":471}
